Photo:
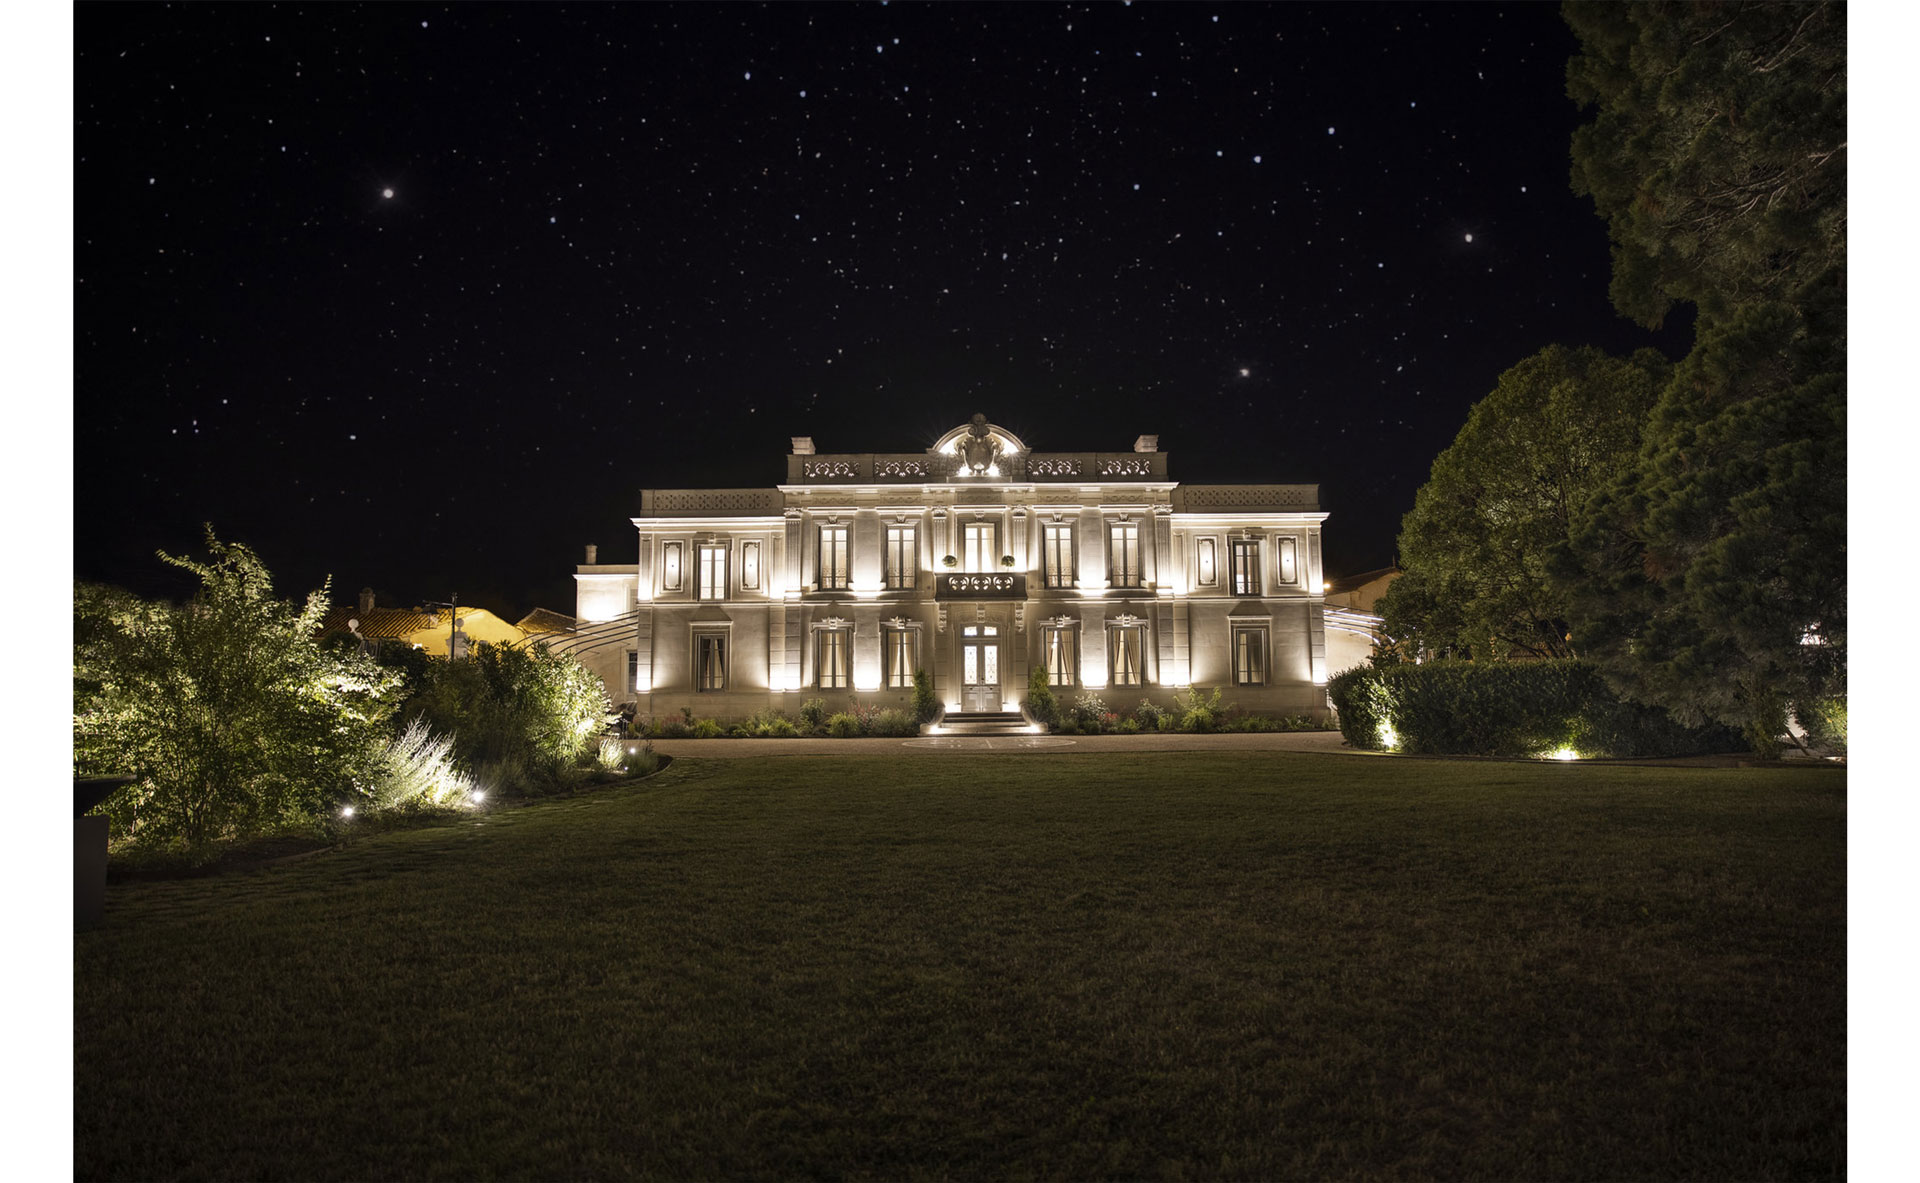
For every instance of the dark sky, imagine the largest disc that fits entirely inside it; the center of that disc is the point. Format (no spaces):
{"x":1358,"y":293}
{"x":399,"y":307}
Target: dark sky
{"x":419,"y":297}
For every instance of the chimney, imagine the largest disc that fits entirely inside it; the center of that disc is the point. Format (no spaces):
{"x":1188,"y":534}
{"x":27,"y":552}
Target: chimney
{"x":1147,"y":443}
{"x":802,"y":445}
{"x":593,"y":555}
{"x":366,"y":602}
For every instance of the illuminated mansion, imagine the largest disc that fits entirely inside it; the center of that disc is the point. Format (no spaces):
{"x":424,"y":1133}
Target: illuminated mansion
{"x":977,"y":560}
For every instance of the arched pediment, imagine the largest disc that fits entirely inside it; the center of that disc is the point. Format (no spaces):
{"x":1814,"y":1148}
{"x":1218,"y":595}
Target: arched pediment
{"x":978,"y":447}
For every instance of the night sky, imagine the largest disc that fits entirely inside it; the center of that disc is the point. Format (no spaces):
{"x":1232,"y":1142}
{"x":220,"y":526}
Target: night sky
{"x":419,"y":297}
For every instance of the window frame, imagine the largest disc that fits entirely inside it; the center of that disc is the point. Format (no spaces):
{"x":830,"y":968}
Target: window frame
{"x":1123,"y":542}
{"x":1243,"y":557}
{"x":896,"y":643}
{"x":842,"y":668}
{"x":1056,"y":555}
{"x":717,"y":639}
{"x":702,"y":587}
{"x":903,"y":556}
{"x":1114,"y":647}
{"x":1060,"y":654}
{"x":838,"y":575}
{"x":1250,"y":640}
{"x":989,"y":560}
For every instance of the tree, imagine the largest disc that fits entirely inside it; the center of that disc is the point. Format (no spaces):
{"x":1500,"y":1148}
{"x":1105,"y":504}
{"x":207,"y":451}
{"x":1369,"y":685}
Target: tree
{"x":518,"y":717}
{"x":226,"y":708}
{"x":1557,"y":428}
{"x":1710,"y":577}
{"x":1718,"y":150}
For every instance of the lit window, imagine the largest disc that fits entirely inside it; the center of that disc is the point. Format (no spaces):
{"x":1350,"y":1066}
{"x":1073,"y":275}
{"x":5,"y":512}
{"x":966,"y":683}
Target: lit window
{"x":901,"y":653}
{"x":1126,"y":654}
{"x":1124,"y":555}
{"x":1246,"y":567}
{"x":1062,"y":655}
{"x":1056,"y":558}
{"x":902,"y":558}
{"x":980,"y":554}
{"x":833,"y":558}
{"x":633,"y":670}
{"x":713,"y":573}
{"x":834,"y":661}
{"x":1249,"y":657}
{"x":710,"y":661}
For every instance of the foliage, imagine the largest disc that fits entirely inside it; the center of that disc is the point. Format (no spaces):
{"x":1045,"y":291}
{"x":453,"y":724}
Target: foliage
{"x":1041,"y":702}
{"x":1089,"y":712}
{"x":1198,"y":713}
{"x":892,"y":723}
{"x":417,"y":768}
{"x":813,"y":713}
{"x":1151,"y":716}
{"x":1506,"y":709}
{"x":705,"y":729}
{"x":1710,"y":576}
{"x":227,"y":708}
{"x":519,"y":717}
{"x":1718,"y":149}
{"x":843,"y":726}
{"x":1825,"y":722}
{"x":611,"y":756}
{"x":1473,"y":552}
{"x":926,"y":704}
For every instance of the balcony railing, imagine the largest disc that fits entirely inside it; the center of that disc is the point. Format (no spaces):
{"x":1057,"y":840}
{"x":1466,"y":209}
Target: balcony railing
{"x":980,"y":585}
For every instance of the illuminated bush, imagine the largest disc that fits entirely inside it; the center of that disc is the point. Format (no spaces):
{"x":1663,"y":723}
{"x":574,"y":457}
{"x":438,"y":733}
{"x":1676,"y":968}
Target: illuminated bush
{"x":611,"y":756}
{"x":1506,"y":709}
{"x":1041,"y":703}
{"x":416,"y":768}
{"x":525,"y":716}
{"x":843,"y":726}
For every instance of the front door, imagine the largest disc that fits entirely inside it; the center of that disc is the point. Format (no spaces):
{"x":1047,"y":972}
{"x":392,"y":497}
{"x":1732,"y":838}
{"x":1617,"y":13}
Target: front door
{"x":980,"y":668}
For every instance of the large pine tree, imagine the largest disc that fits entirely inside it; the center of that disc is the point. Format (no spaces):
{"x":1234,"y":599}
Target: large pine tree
{"x":1710,"y":577}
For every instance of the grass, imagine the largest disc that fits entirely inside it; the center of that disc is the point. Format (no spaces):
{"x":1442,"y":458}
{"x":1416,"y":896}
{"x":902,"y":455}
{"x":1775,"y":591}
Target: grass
{"x":1271,"y":965}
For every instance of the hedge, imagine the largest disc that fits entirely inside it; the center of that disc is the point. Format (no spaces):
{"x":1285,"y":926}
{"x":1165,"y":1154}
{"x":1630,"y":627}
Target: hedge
{"x":1463,"y":708}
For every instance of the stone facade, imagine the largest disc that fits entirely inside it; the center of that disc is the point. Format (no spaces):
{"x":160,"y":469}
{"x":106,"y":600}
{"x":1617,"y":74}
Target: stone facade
{"x":976,"y":560}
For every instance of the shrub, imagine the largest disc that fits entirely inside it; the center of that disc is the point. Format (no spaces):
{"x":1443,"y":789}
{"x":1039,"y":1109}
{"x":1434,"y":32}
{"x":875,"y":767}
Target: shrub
{"x":1041,"y":703}
{"x":1150,"y":715}
{"x":526,"y":714}
{"x":843,"y":726}
{"x":1825,"y":722}
{"x":1508,"y":709}
{"x":893,"y":724}
{"x":1197,"y":713}
{"x":926,"y":707}
{"x":612,"y":755}
{"x":813,"y":713}
{"x":778,"y":727}
{"x":416,"y":769}
{"x":672,"y":729}
{"x":1129,"y":726}
{"x":234,"y":717}
{"x":1089,"y":712}
{"x":706,"y":729}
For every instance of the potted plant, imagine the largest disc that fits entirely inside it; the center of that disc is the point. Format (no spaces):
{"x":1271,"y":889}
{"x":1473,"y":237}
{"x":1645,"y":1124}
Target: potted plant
{"x":1006,"y":561}
{"x":950,"y":562}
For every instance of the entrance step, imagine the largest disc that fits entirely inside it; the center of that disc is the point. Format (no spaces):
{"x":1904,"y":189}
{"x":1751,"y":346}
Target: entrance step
{"x":980,"y":723}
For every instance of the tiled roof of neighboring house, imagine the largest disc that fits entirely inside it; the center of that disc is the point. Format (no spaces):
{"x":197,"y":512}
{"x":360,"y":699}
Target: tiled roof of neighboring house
{"x":1348,"y":582}
{"x":542,"y":620}
{"x":377,"y":623}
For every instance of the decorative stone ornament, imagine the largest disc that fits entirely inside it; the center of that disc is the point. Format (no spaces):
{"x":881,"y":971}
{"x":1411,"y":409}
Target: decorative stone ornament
{"x":978,"y":448}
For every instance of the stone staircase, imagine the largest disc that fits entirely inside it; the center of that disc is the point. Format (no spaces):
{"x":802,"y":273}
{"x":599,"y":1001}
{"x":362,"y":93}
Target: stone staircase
{"x":980,"y":723}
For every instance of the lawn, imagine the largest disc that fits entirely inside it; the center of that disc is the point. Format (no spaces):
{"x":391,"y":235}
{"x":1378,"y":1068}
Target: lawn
{"x":1271,"y":965}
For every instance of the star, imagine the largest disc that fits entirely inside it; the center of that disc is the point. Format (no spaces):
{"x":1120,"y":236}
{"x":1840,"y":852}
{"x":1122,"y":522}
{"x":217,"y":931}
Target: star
{"x":387,"y":193}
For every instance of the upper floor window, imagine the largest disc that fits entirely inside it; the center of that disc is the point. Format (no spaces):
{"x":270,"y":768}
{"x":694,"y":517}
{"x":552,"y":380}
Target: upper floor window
{"x":712,"y":583}
{"x":1056,"y":556}
{"x":1123,"y":569}
{"x":1246,"y":567}
{"x":979,"y":554}
{"x":901,"y":556}
{"x":833,"y":558}
{"x":833,"y":667}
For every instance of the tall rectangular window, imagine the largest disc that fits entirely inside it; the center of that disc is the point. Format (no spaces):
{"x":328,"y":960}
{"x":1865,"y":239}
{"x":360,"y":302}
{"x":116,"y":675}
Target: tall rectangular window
{"x":633,"y":670}
{"x":979,"y":556}
{"x":833,"y":665}
{"x":1123,"y":569}
{"x":1126,"y":655}
{"x":833,"y":558}
{"x":1204,"y":549}
{"x":1062,"y":656}
{"x":1246,"y":567}
{"x":900,"y":652}
{"x":713,"y":573}
{"x":709,"y":661}
{"x":902,"y":556}
{"x":1056,"y":555}
{"x":1249,"y":656}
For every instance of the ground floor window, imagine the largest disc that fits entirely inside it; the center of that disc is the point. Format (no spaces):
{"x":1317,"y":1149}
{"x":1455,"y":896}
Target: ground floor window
{"x":633,"y":670}
{"x":1126,"y":655}
{"x":1062,"y":656}
{"x":710,"y":661}
{"x":834,"y":659}
{"x":901,"y":651}
{"x":1249,"y":657}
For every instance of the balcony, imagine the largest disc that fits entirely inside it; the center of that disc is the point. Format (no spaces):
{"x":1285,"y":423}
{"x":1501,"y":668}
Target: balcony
{"x":980,"y":585}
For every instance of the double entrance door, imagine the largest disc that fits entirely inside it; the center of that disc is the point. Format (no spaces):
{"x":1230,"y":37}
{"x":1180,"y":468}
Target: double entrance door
{"x":980,"y":668}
